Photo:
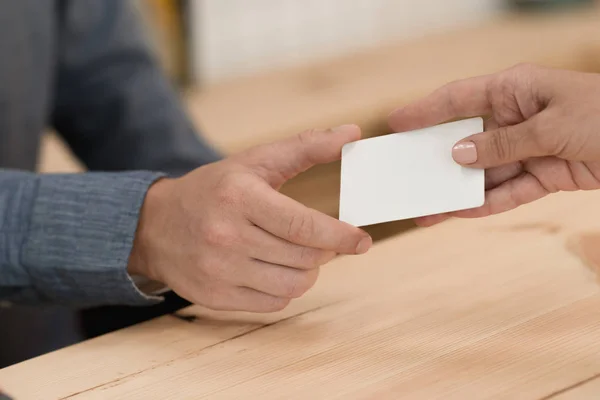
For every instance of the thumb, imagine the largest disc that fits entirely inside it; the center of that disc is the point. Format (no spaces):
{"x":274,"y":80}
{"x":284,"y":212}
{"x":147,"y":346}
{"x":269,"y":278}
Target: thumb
{"x":279,"y":161}
{"x":498,"y":147}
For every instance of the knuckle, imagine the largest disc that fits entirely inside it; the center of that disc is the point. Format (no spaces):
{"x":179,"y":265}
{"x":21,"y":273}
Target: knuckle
{"x":500,"y":144}
{"x":213,"y":297}
{"x":298,"y":283}
{"x":307,"y":136}
{"x":228,"y":190}
{"x":290,"y":285}
{"x":300,"y":228}
{"x":310,"y":258}
{"x":499,"y":93}
{"x":448,"y":92}
{"x":551,"y":145}
{"x":219,"y":235}
{"x":314,"y":259}
{"x":501,"y":84}
{"x":276,"y":304}
{"x":521,"y":75}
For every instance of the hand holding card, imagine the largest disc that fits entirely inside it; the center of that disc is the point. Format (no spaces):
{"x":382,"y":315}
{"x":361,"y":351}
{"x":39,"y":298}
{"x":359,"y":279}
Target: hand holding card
{"x":408,"y":175}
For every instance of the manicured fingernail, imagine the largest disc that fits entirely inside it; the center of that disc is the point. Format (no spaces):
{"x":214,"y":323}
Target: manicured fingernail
{"x":465,"y":153}
{"x":364,"y":245}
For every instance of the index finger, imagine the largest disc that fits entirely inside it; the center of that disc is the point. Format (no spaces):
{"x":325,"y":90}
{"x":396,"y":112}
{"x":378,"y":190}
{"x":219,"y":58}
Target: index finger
{"x":461,"y":99}
{"x":296,"y":223}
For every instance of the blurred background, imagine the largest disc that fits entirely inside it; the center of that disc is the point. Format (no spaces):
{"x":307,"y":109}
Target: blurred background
{"x":253,"y":71}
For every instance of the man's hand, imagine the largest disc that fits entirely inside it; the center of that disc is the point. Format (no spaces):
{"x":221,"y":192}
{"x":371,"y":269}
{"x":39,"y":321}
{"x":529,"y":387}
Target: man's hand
{"x":543,"y":134}
{"x":224,"y":237}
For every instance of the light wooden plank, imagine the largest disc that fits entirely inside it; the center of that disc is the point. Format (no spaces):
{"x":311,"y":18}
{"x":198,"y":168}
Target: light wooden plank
{"x":143,"y":346}
{"x":588,"y":389}
{"x":500,"y":308}
{"x":232,"y":116}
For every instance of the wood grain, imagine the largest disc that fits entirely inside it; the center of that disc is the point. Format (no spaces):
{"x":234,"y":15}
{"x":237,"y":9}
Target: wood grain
{"x":499,"y":308}
{"x":588,"y":389}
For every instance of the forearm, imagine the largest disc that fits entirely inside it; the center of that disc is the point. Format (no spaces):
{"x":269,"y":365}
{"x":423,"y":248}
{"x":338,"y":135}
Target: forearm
{"x":67,"y":238}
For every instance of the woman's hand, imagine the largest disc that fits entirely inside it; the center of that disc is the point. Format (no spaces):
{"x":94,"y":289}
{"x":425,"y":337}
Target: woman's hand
{"x":542,"y":135}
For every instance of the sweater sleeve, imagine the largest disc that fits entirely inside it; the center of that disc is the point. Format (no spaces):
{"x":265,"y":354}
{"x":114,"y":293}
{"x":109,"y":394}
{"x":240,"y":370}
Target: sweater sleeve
{"x":66,"y":238}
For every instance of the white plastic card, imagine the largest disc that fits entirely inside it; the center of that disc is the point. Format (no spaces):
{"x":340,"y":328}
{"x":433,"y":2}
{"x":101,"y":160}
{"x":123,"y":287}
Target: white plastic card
{"x":408,"y":175}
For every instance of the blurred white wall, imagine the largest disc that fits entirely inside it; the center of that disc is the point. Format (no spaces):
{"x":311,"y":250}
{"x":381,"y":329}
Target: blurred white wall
{"x":238,"y":37}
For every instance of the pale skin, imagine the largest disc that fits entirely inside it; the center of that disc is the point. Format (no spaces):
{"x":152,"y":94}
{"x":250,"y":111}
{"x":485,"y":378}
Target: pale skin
{"x":225,"y":238}
{"x":542,"y":135}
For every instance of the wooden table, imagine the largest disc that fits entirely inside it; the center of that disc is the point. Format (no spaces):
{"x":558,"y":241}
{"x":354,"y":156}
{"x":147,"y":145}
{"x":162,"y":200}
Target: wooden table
{"x":505,"y":308}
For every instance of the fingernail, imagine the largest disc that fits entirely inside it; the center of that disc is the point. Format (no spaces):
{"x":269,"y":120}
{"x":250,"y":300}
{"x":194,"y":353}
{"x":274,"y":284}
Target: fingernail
{"x":364,"y":245}
{"x":465,"y":153}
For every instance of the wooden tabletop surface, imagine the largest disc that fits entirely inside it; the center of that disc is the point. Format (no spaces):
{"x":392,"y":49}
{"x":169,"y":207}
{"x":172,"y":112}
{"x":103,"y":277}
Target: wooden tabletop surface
{"x":506,"y":307}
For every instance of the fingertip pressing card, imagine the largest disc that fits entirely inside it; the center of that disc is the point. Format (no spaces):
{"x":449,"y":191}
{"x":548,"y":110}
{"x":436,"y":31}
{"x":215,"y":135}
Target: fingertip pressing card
{"x":408,"y":175}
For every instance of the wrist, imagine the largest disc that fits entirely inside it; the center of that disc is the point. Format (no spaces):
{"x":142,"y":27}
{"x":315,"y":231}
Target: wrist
{"x":149,"y":222}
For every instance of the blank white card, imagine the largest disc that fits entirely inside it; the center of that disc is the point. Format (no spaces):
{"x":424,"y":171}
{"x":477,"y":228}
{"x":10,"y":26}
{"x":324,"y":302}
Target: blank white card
{"x":408,"y":175}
